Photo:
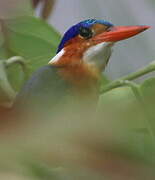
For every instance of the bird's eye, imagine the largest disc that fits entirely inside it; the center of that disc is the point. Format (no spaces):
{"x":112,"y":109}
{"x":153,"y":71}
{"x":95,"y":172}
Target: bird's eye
{"x":85,"y":32}
{"x":108,"y":29}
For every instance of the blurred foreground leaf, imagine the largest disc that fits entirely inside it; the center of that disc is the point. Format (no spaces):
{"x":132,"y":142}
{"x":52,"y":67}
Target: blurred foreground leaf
{"x":148,"y":91}
{"x":131,"y":119}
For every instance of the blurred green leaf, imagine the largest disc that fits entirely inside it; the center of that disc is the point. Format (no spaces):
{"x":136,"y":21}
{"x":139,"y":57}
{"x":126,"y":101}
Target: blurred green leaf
{"x":148,"y":92}
{"x":1,"y":39}
{"x":123,"y":112}
{"x":3,"y":53}
{"x":41,"y":171}
{"x":34,"y":40}
{"x":119,"y":103}
{"x":148,"y":88}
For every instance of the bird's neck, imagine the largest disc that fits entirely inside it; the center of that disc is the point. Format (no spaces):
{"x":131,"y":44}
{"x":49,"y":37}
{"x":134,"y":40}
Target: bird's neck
{"x":83,"y":75}
{"x":85,"y":79}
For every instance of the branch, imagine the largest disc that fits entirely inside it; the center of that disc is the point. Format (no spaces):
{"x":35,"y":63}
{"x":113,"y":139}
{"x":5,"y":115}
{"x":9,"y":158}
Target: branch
{"x":18,"y":60}
{"x":5,"y":85}
{"x":4,"y":82}
{"x":47,"y":8}
{"x":135,"y":75}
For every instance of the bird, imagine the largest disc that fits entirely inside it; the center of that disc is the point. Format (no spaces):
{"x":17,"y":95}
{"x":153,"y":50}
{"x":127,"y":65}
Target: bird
{"x":75,"y":72}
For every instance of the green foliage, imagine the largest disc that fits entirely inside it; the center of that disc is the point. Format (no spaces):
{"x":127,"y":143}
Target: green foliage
{"x":28,"y":37}
{"x":132,"y":114}
{"x":125,"y":109}
{"x":32,"y":39}
{"x":147,"y":89}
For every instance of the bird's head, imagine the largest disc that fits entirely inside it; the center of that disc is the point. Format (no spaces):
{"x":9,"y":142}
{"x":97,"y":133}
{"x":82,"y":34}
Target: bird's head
{"x":90,"y":42}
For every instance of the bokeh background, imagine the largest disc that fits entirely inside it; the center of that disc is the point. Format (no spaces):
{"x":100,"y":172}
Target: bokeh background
{"x":129,"y":55}
{"x":118,"y":141}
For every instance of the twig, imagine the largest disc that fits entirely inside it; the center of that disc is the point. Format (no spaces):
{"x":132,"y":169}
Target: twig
{"x":17,"y":60}
{"x":4,"y":83}
{"x":135,"y":75}
{"x":47,"y":8}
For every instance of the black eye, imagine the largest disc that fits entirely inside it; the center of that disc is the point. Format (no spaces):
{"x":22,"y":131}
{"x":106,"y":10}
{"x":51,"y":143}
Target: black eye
{"x":109,"y":28}
{"x":85,"y":32}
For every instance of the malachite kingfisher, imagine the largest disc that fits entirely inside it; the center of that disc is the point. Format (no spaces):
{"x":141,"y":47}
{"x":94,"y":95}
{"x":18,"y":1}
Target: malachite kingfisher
{"x":76,"y":70}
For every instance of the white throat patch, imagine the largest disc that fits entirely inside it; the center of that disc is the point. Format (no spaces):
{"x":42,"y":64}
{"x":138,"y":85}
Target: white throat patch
{"x":57,"y":57}
{"x":99,"y":54}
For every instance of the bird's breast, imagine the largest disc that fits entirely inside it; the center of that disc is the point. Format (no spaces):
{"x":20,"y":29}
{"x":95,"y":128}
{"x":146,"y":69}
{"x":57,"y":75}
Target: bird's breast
{"x":85,"y":80}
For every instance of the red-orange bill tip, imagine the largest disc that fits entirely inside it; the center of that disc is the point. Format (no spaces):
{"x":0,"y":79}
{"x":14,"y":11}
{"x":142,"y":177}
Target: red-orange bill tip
{"x":118,"y":33}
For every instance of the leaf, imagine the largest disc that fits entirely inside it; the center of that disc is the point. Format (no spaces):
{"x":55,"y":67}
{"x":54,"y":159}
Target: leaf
{"x":124,"y":116}
{"x":148,"y":88}
{"x":148,"y":92}
{"x":1,"y":39}
{"x":122,"y":108}
{"x":2,"y":49}
{"x":34,"y":40}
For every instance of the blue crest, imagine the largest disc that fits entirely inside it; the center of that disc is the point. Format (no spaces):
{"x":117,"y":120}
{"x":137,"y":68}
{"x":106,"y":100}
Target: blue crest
{"x":74,"y":30}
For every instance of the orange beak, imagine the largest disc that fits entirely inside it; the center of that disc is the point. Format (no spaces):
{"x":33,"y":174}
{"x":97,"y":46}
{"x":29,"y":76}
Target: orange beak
{"x":118,"y":33}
